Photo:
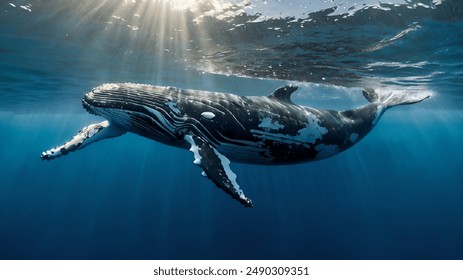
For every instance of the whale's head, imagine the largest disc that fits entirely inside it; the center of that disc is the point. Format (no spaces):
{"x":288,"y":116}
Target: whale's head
{"x":143,"y":109}
{"x":125,"y":97}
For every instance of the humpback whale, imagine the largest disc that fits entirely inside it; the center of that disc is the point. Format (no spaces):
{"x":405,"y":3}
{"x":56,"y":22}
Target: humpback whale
{"x":219,"y":127}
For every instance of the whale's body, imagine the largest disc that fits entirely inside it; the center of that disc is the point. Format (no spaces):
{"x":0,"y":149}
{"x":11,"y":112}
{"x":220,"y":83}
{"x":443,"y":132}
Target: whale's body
{"x":219,"y":127}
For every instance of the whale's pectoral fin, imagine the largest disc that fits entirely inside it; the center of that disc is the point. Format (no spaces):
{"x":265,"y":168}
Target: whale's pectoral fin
{"x":86,"y":136}
{"x":216,"y":167}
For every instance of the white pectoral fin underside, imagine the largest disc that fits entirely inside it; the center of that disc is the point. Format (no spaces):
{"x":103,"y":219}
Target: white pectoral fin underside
{"x":86,"y":136}
{"x":217,"y":168}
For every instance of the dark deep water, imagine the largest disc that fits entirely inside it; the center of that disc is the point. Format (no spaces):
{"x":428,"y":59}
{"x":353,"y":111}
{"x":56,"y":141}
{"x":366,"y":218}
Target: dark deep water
{"x":398,"y":194}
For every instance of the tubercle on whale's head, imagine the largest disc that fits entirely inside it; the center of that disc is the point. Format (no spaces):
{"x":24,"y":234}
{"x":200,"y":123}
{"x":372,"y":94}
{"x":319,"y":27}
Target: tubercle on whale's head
{"x":124,"y":97}
{"x":87,"y":102}
{"x":127,"y":96}
{"x":99,"y":97}
{"x":95,"y":98}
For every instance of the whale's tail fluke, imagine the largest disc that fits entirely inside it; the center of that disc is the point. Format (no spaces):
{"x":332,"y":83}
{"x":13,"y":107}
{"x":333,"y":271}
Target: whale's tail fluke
{"x":392,"y":99}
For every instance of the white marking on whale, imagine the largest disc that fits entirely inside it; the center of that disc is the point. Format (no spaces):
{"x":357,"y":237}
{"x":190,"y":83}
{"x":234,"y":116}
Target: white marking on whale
{"x":208,"y":115}
{"x":194,"y":149}
{"x":312,"y":132}
{"x":268,"y":123}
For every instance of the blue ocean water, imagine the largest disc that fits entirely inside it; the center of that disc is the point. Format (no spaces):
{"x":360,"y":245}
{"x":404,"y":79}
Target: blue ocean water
{"x":398,"y":194}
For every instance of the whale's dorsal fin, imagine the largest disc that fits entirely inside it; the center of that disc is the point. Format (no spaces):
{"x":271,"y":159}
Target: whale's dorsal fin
{"x":216,"y":167}
{"x":283,"y":94}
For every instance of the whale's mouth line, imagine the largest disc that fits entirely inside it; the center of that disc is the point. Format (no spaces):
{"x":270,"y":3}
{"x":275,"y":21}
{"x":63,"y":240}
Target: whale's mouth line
{"x":87,"y":103}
